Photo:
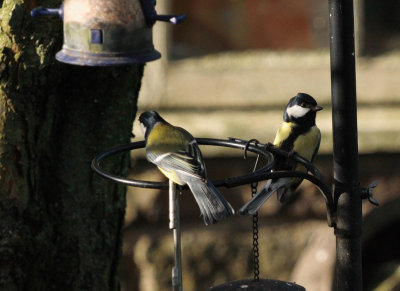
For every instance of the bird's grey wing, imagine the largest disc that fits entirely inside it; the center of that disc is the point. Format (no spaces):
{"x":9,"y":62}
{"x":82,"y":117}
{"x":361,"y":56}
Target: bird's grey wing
{"x":186,"y":162}
{"x":193,"y":151}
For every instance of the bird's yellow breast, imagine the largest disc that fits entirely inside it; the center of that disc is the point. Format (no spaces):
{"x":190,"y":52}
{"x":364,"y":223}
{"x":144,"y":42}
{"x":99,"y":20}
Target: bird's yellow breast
{"x":283,"y":133}
{"x":305,"y":144}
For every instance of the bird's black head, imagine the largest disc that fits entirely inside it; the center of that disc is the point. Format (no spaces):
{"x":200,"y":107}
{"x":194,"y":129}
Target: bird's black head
{"x":302,"y":110}
{"x":148,"y":119}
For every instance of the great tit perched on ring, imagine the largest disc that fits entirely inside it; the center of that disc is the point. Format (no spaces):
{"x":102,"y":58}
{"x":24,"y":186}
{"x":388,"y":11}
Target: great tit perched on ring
{"x":298,"y":133}
{"x":177,"y":155}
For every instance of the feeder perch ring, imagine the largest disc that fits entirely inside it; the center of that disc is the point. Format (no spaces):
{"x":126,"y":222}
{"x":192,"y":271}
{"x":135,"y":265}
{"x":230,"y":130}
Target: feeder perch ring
{"x":230,"y":143}
{"x":261,"y":174}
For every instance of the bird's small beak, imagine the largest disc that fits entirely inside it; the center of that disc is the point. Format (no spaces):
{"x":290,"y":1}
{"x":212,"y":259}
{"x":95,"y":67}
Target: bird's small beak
{"x":317,"y":108}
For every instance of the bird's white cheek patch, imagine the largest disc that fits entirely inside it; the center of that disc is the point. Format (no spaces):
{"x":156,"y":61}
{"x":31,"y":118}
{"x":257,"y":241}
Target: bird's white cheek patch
{"x":297,"y":111}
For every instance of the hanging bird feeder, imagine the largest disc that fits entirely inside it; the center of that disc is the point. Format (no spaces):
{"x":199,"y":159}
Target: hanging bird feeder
{"x":107,"y":32}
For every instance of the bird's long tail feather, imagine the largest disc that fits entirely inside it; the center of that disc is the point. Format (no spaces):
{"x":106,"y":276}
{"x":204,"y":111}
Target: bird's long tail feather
{"x":213,"y":206}
{"x":251,"y":207}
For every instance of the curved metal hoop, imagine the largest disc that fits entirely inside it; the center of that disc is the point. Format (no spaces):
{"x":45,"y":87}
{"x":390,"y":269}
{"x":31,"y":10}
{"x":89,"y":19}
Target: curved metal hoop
{"x":231,"y":143}
{"x":261,"y":174}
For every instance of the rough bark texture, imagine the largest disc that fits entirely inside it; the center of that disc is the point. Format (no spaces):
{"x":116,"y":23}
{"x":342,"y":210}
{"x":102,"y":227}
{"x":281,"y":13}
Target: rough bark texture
{"x":60,"y":224}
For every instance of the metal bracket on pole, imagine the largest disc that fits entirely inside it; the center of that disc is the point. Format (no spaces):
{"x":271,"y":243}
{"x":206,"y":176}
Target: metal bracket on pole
{"x":174,"y":224}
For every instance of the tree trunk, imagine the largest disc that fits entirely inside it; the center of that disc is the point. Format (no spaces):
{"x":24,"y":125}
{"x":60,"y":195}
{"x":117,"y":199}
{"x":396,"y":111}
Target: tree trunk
{"x":60,"y":224}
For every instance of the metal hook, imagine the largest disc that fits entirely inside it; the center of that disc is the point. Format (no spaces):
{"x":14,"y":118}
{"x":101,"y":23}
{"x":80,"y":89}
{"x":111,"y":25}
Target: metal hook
{"x":246,"y":147}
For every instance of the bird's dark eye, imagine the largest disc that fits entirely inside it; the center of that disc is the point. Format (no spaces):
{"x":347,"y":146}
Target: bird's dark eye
{"x":302,"y":104}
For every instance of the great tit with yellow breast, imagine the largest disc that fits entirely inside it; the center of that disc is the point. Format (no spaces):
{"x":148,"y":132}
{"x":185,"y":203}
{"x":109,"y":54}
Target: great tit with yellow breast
{"x":176,"y":153}
{"x":298,"y":133}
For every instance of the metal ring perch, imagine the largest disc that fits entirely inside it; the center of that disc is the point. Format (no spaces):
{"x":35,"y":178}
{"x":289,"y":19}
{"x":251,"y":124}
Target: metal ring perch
{"x":264,"y":173}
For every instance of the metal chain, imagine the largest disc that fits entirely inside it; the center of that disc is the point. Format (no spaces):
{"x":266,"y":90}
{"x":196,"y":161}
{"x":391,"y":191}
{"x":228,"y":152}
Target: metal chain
{"x":256,"y":253}
{"x":254,"y":185}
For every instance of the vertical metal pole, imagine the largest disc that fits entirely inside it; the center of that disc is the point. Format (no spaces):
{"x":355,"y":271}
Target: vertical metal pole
{"x":345,"y":146}
{"x":174,"y":224}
